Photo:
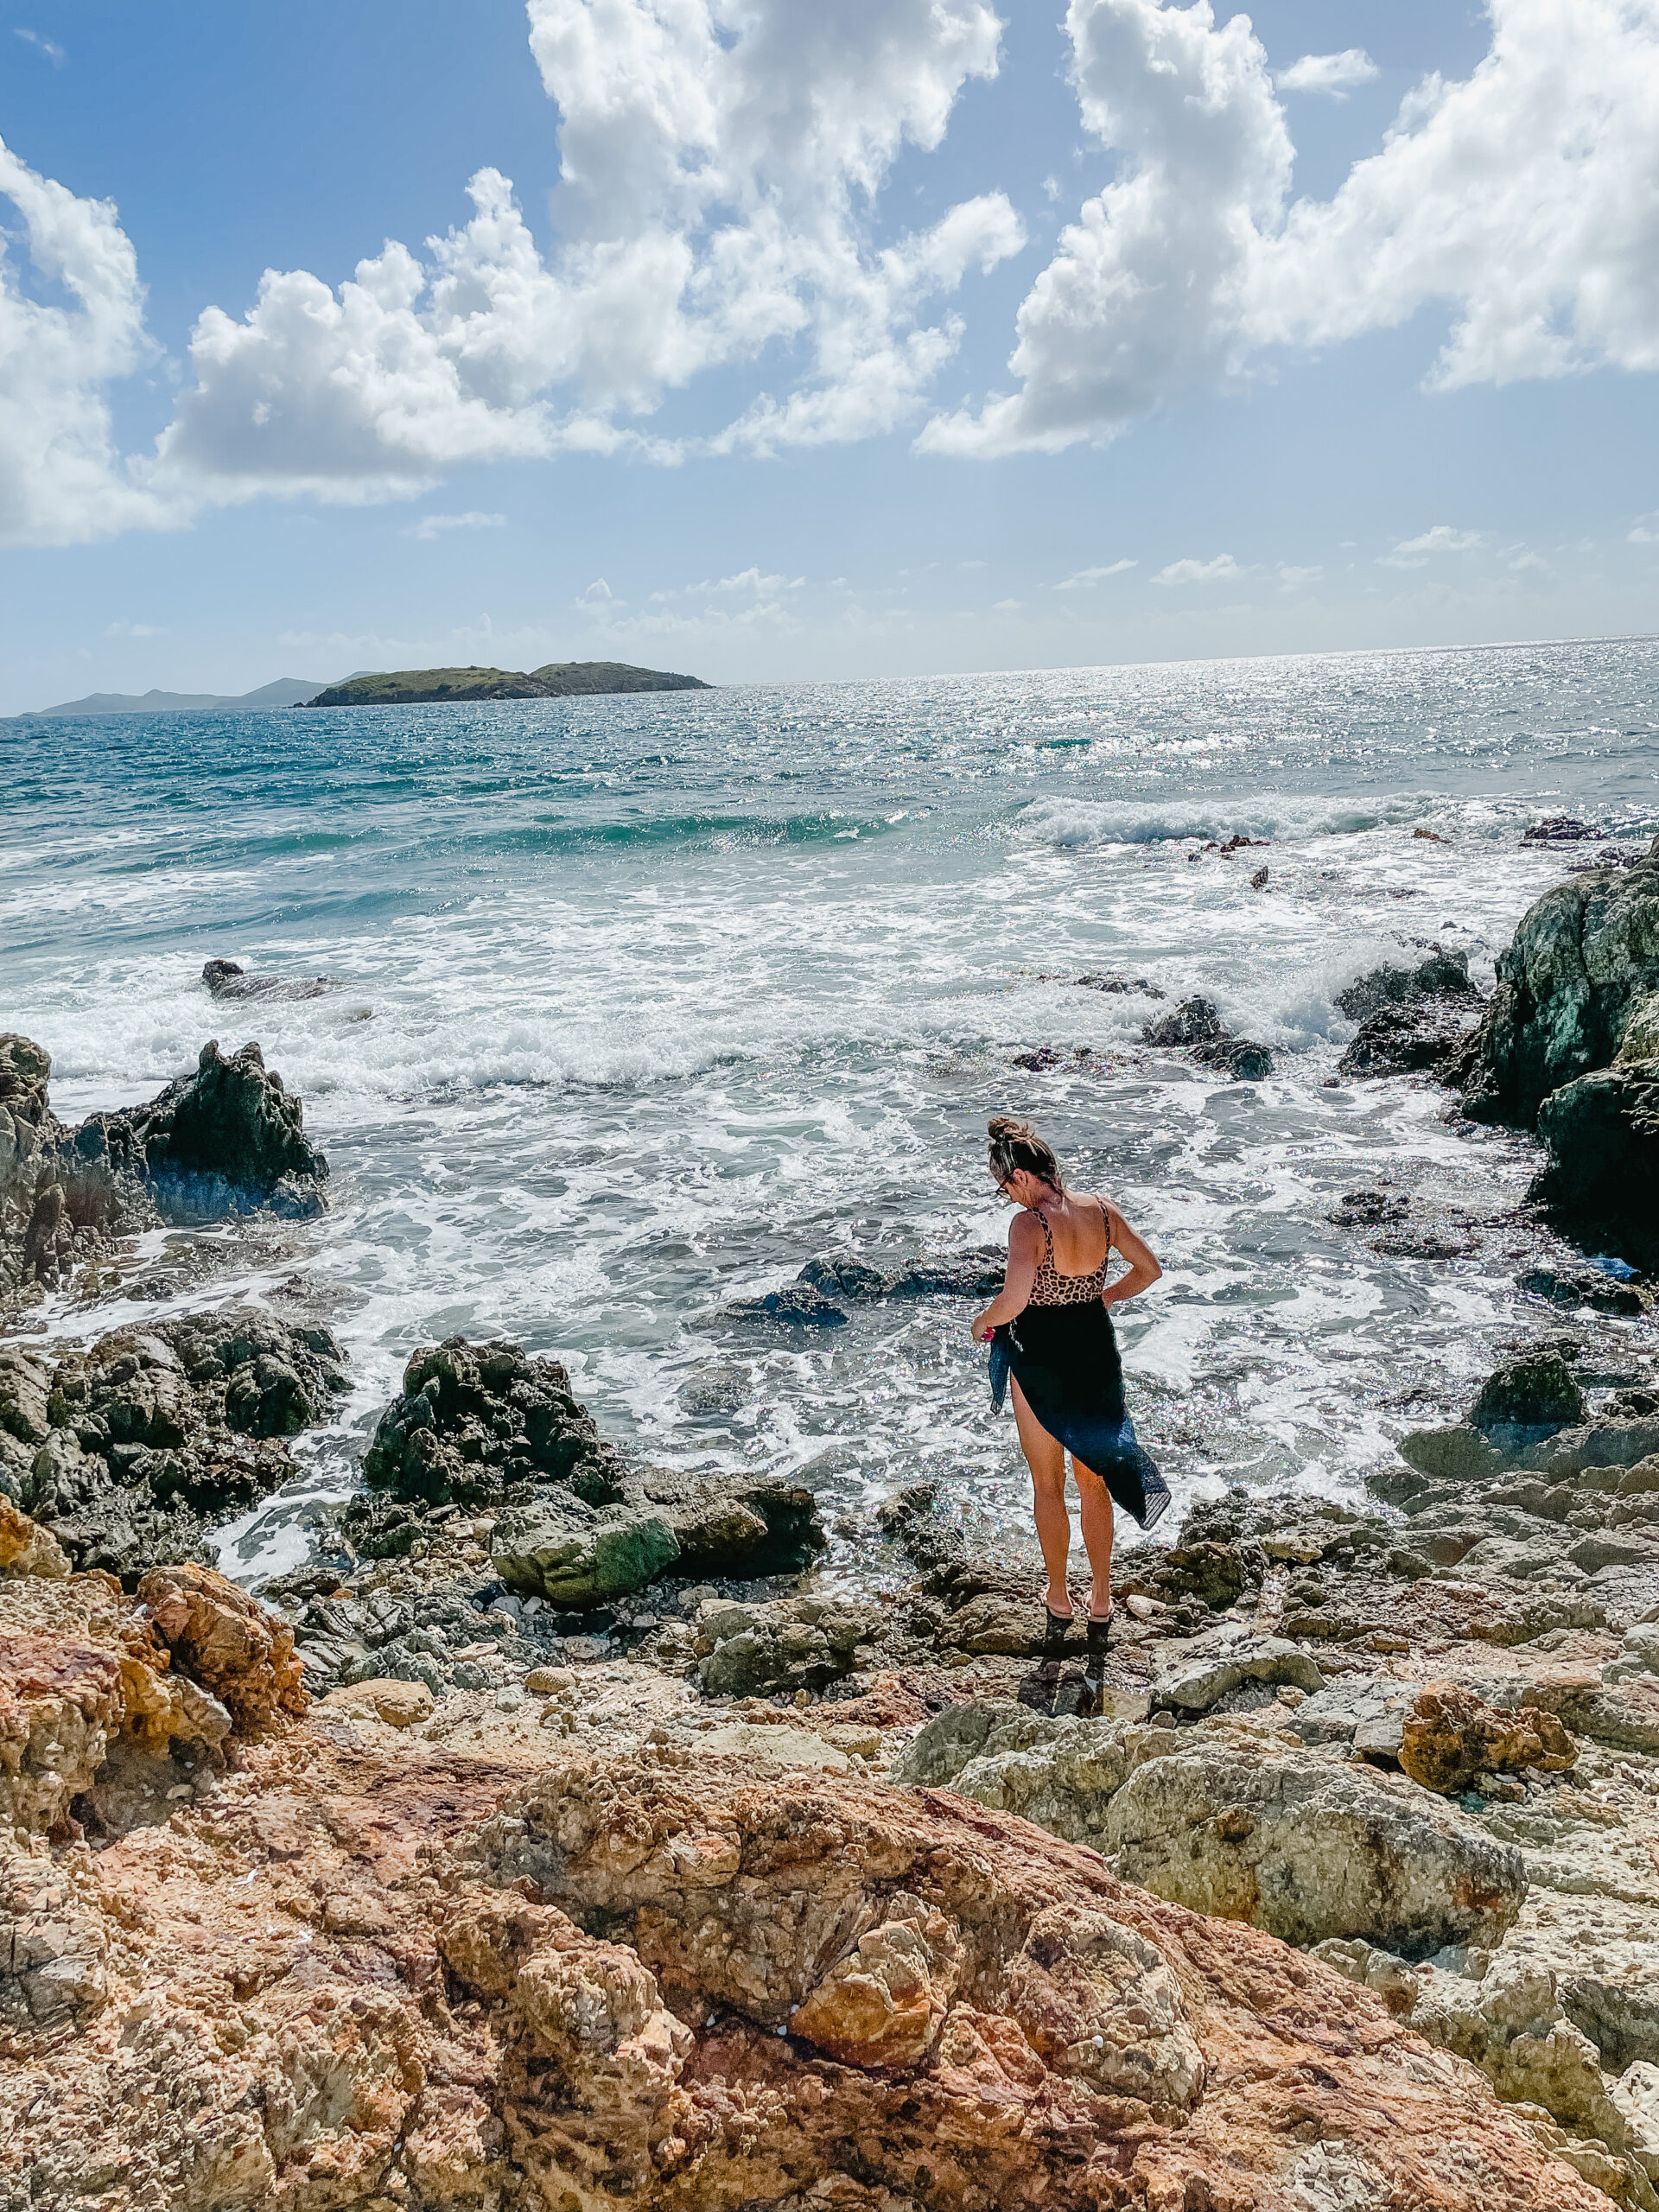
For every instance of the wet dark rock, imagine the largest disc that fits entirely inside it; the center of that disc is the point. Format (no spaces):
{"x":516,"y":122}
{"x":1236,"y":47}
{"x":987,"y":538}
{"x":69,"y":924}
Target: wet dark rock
{"x":1117,"y":984}
{"x":475,"y":1419}
{"x":1602,"y":1178}
{"x":1195,"y":1021}
{"x":802,"y":1307}
{"x":1587,"y":1286}
{"x":224,"y":1141}
{"x":1533,"y":1391}
{"x":976,"y":1274}
{"x":1443,"y":974}
{"x":1195,"y":1026}
{"x":1423,"y":1037}
{"x":130,"y":1452}
{"x":1583,"y":959}
{"x":225,"y":979}
{"x":1369,"y":1209}
{"x":1560,"y":830}
{"x":484,"y":1425}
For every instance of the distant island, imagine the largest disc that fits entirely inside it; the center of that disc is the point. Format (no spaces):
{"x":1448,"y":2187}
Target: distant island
{"x":286,"y":692}
{"x":559,"y":679}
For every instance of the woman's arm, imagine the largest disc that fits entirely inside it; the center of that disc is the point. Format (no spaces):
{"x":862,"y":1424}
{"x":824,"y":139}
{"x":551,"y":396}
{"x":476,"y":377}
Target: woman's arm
{"x":1020,"y":1274}
{"x":1144,"y":1270}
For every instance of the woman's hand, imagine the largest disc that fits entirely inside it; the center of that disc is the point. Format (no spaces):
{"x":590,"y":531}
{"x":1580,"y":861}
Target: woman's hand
{"x":982,"y":1328}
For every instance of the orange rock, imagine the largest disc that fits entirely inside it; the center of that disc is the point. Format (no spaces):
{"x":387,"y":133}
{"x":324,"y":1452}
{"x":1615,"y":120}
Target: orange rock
{"x":1450,"y":1737}
{"x":232,"y":1643}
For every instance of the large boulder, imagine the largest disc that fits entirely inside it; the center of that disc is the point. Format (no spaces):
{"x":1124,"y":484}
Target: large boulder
{"x":475,"y":1421}
{"x":1308,"y":1850}
{"x":579,"y":1556}
{"x":1528,"y":1397}
{"x":1442,"y":976}
{"x":1602,"y":1176}
{"x":1584,"y":959}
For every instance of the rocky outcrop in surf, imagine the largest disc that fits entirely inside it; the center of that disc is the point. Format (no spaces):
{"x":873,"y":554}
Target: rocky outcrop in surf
{"x":1412,"y":1021}
{"x":225,"y":1140}
{"x":484,"y":1425}
{"x":1196,"y":1027}
{"x":1569,"y":1046}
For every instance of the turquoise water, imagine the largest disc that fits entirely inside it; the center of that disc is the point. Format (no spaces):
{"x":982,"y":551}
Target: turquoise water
{"x":637,"y":1004}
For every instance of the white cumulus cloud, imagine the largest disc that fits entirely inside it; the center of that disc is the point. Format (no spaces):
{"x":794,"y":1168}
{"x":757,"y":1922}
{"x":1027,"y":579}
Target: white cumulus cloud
{"x":1223,"y":569}
{"x":1413,"y":552}
{"x":62,"y":480}
{"x":1524,"y":199}
{"x":1085,"y":578}
{"x":1334,"y":74}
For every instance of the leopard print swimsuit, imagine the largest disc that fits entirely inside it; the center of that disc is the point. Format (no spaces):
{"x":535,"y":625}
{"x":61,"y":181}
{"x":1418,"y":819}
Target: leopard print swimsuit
{"x":1051,"y":1287}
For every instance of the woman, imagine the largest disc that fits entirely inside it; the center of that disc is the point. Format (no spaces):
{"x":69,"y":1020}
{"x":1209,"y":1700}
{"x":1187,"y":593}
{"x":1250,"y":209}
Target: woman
{"x":1050,"y":1332}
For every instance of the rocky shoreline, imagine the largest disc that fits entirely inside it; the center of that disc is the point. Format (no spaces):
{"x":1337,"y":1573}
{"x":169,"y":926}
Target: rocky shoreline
{"x":555,"y":1838}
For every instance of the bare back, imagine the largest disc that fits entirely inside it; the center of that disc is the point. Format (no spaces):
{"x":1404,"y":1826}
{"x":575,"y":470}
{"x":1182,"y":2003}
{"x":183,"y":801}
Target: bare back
{"x":1080,"y":1234}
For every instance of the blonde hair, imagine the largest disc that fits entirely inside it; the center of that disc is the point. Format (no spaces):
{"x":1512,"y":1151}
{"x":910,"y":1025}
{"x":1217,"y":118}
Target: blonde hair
{"x":1016,"y":1145}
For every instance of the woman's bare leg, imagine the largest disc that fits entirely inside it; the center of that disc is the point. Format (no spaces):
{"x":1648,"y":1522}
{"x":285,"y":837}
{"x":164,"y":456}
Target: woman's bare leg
{"x":1098,"y":1533}
{"x":1046,"y":1457}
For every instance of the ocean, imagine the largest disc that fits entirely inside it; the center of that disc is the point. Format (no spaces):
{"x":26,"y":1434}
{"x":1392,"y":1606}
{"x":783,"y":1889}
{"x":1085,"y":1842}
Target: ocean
{"x":638,"y":1004}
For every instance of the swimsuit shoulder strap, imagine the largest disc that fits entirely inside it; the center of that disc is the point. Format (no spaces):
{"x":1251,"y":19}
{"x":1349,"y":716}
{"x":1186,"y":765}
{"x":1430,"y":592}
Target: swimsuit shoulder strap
{"x":1048,"y":1235}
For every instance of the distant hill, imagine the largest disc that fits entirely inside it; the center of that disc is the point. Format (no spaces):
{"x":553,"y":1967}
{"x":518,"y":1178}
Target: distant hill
{"x":286,"y":692}
{"x":559,"y":679}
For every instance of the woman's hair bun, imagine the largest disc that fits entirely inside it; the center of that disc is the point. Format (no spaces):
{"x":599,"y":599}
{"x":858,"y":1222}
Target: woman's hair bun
{"x":1015,"y":1146}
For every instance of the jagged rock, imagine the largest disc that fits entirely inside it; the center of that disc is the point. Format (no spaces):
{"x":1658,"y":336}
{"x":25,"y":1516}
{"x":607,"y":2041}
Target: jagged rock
{"x":474,"y":1420}
{"x":1561,"y":830}
{"x":1195,"y":1021}
{"x":27,"y":1548}
{"x":154,"y":1434}
{"x":225,"y":1140}
{"x":928,"y":1988}
{"x":1195,"y":1026}
{"x":85,"y":1675}
{"x":228,"y":1641}
{"x":1592,"y":1286}
{"x":1442,"y":976}
{"x":1423,"y":1037}
{"x":1583,"y":957}
{"x":1308,"y":1850}
{"x":1530,"y":1397}
{"x":484,"y":1425}
{"x":1450,"y":1738}
{"x":800,"y":1643}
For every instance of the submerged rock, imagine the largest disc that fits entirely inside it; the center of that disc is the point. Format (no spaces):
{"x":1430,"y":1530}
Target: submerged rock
{"x":226,"y":979}
{"x":1587,"y":1286}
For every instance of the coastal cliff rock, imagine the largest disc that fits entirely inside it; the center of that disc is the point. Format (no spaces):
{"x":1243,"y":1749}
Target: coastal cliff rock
{"x":1584,"y":960}
{"x":1569,"y":1046}
{"x":130,"y":1451}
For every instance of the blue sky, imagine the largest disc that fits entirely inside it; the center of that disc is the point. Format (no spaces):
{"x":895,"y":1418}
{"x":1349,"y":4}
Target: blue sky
{"x":873,"y":339}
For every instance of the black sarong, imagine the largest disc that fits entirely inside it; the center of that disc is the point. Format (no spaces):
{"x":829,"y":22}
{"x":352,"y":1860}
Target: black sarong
{"x":1065,"y":1359}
